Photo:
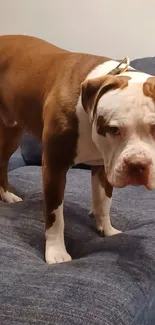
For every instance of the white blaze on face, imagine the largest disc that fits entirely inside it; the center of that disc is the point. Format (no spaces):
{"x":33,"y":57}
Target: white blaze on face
{"x":134,"y":114}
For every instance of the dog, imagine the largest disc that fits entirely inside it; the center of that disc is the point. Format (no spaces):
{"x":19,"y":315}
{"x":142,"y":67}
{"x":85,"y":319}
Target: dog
{"x":84,"y":110}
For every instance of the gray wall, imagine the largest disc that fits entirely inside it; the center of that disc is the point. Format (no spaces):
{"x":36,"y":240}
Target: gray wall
{"x":108,"y":27}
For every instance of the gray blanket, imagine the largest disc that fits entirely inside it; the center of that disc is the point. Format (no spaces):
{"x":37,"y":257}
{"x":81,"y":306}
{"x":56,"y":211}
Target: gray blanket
{"x":111,"y":281}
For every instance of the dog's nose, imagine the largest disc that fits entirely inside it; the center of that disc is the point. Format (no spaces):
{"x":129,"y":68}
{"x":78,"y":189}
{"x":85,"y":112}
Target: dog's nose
{"x":138,"y":166}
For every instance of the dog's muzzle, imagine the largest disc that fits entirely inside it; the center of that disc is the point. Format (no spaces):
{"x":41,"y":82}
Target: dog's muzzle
{"x":138,"y":170}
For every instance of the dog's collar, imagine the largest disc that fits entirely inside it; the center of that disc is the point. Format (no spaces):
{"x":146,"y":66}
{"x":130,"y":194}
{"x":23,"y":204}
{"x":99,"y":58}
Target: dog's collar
{"x":120,"y":69}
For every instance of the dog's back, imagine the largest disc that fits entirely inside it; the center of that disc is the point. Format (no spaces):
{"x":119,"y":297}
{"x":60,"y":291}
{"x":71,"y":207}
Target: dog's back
{"x":30,"y":68}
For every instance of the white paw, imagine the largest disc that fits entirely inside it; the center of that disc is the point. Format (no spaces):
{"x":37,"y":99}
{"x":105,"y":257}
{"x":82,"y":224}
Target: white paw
{"x":56,"y":254}
{"x":108,"y":231}
{"x":9,"y":197}
{"x":111,"y":231}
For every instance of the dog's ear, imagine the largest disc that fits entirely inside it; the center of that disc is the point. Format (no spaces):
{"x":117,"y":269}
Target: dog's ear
{"x":93,"y":89}
{"x":149,"y":87}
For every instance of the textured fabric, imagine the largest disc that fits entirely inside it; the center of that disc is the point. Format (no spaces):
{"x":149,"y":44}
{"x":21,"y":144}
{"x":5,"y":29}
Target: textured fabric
{"x":31,"y":150}
{"x":111,"y":281}
{"x":16,"y":160}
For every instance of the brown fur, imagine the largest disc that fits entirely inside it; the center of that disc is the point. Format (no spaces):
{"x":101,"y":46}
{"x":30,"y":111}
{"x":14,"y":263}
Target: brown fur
{"x":50,"y":219}
{"x":39,"y":88}
{"x":149,"y":87}
{"x":9,"y":142}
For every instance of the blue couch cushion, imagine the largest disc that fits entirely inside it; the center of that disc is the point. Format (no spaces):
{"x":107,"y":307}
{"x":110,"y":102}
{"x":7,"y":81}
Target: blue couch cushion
{"x":31,"y":150}
{"x":16,"y":160}
{"x":146,"y":65}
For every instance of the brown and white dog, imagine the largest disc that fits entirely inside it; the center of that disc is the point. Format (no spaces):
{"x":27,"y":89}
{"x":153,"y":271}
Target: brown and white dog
{"x":82,"y":115}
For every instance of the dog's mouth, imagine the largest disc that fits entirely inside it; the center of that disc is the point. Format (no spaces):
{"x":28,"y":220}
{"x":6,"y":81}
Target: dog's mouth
{"x":134,"y":175}
{"x":123,"y":175}
{"x":132,"y":181}
{"x":137,"y":182}
{"x":139,"y":178}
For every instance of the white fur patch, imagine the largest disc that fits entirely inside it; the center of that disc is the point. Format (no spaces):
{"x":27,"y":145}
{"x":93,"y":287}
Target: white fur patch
{"x":9,"y":197}
{"x":86,"y":152}
{"x":55,"y":247}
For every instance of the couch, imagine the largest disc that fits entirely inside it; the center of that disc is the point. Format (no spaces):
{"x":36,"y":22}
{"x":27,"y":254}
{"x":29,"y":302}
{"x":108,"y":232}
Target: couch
{"x":110,"y":281}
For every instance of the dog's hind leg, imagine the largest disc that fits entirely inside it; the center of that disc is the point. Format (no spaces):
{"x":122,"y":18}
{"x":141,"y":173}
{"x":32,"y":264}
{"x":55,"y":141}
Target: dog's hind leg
{"x":9,"y":142}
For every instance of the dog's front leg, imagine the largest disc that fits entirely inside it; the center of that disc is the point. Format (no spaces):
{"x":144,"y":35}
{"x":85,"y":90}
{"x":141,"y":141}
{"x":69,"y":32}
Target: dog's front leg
{"x":101,"y":201}
{"x":54,"y":180}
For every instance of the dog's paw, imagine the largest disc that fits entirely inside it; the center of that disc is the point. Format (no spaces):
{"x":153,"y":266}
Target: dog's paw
{"x":9,"y":197}
{"x":103,"y":225}
{"x":56,"y":254}
{"x":109,"y":231}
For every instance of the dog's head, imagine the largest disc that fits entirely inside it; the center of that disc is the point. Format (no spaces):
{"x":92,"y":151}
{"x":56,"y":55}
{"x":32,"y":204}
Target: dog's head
{"x":122,"y":112}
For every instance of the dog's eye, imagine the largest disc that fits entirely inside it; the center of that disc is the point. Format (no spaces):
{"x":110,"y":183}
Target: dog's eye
{"x":114,"y":130}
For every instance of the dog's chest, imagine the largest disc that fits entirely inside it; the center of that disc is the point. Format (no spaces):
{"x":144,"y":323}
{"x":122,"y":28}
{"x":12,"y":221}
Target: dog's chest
{"x":86,"y":149}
